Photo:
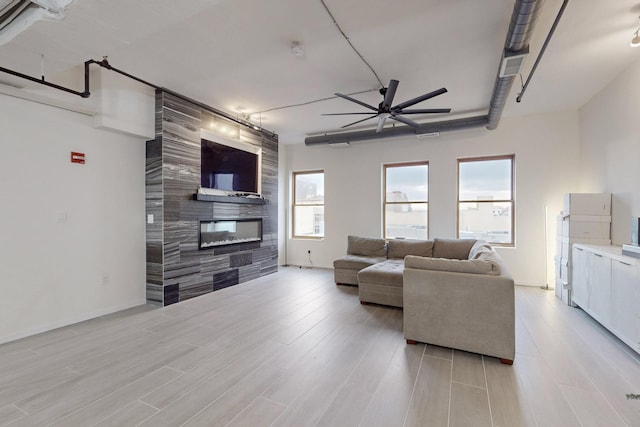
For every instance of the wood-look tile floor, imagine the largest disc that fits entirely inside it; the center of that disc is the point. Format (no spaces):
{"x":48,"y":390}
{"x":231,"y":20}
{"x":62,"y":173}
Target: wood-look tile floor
{"x":294,"y":349}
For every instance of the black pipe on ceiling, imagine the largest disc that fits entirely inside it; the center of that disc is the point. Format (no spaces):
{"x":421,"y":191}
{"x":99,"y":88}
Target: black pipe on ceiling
{"x":544,"y":47}
{"x":105,"y":64}
{"x":42,"y":81}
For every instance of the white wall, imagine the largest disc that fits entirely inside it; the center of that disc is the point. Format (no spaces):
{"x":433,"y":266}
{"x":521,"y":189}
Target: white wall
{"x":610,"y":149}
{"x":54,"y":271}
{"x":546,"y":150}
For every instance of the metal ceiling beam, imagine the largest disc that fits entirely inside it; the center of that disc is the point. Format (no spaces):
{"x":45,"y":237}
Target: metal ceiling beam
{"x":390,"y":132}
{"x":523,"y":20}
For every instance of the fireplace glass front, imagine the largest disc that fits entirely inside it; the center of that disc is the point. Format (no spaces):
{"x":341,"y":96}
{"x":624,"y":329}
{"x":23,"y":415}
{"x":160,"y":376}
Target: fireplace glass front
{"x":223,"y":232}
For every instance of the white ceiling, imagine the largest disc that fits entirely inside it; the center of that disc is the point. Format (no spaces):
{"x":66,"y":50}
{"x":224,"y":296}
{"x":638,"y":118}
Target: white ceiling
{"x":235,"y":54}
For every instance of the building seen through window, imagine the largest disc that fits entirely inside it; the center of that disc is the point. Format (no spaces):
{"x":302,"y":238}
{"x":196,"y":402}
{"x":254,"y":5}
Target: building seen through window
{"x":308,"y":204}
{"x":406,"y":197}
{"x":486,"y":199}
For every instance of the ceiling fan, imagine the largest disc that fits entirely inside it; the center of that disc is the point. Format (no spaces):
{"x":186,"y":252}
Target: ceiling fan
{"x":385,"y":110}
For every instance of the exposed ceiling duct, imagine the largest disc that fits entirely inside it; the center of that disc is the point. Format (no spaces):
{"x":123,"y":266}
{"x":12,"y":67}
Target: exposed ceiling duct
{"x":18,"y":15}
{"x":523,"y":19}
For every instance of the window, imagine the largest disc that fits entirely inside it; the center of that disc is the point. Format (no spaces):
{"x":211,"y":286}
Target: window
{"x":406,"y":196}
{"x":486,"y":199}
{"x":308,"y":204}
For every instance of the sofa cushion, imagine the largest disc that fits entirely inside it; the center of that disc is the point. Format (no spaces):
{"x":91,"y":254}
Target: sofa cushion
{"x":476,"y":266}
{"x":366,"y":246}
{"x":452,"y":248}
{"x":355,"y":262}
{"x":400,"y":248}
{"x":388,"y":273}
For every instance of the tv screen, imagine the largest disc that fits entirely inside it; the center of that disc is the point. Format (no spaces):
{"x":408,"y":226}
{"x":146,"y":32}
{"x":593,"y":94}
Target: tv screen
{"x":227,"y":168}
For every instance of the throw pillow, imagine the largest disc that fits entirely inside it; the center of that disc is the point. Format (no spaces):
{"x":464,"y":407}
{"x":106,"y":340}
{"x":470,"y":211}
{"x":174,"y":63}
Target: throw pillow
{"x":452,"y":248}
{"x":366,"y":246}
{"x":400,"y":248}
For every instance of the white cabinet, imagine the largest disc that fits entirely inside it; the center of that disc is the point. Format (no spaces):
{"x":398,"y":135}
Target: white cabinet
{"x":599,"y":284}
{"x":625,"y":301}
{"x":580,"y":287}
{"x":606,"y":285}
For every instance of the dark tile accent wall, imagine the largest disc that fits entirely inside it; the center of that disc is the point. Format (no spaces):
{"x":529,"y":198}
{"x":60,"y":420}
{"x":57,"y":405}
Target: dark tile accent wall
{"x":171,"y":294}
{"x":176,"y":268}
{"x":241,"y":259}
{"x":225,"y":279}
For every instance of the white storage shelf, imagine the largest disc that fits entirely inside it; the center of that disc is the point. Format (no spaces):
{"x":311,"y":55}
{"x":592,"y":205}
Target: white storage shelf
{"x":605,"y":285}
{"x":585,"y":218}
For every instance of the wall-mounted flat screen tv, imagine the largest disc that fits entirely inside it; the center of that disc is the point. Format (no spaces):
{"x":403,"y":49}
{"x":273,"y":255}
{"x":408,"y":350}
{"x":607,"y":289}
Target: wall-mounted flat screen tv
{"x":230,"y":166}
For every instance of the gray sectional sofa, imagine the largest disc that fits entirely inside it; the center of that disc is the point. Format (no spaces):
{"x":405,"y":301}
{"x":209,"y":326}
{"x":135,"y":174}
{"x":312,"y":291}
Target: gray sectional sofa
{"x":455,"y":292}
{"x":376,"y":266}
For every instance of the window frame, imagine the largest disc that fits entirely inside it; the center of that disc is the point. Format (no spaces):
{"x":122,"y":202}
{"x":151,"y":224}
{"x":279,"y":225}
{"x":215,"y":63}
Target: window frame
{"x":512,"y":201}
{"x":385,"y":166}
{"x":294,"y":203}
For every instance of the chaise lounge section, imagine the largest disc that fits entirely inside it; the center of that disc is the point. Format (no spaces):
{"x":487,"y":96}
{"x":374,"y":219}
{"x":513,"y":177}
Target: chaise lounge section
{"x":381,"y":283}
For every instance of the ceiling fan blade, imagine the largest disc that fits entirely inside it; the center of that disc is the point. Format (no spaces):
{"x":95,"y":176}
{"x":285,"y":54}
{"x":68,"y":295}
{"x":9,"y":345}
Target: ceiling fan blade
{"x":351,"y":124}
{"x":348,"y":98}
{"x":405,"y":121}
{"x":413,"y":101}
{"x":341,"y":114}
{"x":381,"y":120}
{"x":425,"y":111}
{"x":389,"y":93}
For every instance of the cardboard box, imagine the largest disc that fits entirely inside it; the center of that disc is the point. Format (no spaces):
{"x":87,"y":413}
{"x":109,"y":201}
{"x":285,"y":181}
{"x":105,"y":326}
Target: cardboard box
{"x":587,"y":204}
{"x":587,"y":227}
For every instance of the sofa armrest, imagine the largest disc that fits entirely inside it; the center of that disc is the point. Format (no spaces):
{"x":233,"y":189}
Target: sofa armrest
{"x":475,"y":266}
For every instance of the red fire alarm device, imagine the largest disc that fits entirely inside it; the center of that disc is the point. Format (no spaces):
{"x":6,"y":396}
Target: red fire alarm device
{"x":77,"y":157}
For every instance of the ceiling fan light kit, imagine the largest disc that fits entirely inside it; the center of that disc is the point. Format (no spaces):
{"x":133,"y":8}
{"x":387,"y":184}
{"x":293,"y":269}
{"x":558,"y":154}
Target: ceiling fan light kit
{"x":386,"y":109}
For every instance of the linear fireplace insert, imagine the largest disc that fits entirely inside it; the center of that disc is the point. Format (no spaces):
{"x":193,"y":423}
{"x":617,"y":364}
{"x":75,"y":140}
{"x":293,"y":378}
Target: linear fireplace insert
{"x":221,"y":232}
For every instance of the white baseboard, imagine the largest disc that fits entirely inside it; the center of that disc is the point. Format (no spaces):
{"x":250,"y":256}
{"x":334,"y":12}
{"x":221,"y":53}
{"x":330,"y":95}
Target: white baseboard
{"x":70,"y":321}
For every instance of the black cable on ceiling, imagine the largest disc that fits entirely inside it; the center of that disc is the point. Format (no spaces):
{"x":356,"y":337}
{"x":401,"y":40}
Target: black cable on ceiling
{"x":351,"y":44}
{"x":544,"y":47}
{"x":302,"y":104}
